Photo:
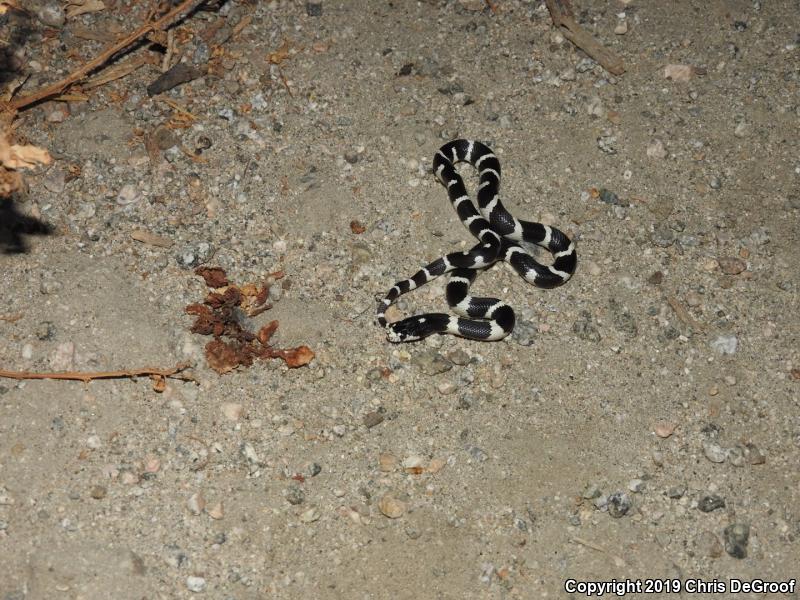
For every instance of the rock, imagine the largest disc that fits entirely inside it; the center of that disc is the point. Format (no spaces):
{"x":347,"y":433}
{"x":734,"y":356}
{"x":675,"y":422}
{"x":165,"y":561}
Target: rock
{"x":676,"y":492}
{"x":710,"y":503}
{"x":621,"y":28}
{"x":585,"y":329}
{"x":387,"y":462}
{"x":216,"y":512}
{"x":636,"y":485}
{"x":314,"y":9}
{"x":458,"y":357}
{"x":730,"y":265}
{"x":679,"y":73}
{"x":736,"y":538}
{"x":195,"y":584}
{"x":725,"y":344}
{"x":391,"y":507}
{"x":619,"y":503}
{"x":309,"y":516}
{"x":371,"y":419}
{"x":51,"y":14}
{"x":294,"y":495}
{"x":591,"y":492}
{"x":753,"y":455}
{"x":128,"y":194}
{"x":742,"y":129}
{"x":431,"y":362}
{"x":232,"y":410}
{"x":98,"y":492}
{"x":196,"y":504}
{"x":655,"y":149}
{"x":714,"y":452}
{"x":610,"y":197}
{"x":736,"y":456}
{"x":606,"y":143}
{"x":662,"y":235}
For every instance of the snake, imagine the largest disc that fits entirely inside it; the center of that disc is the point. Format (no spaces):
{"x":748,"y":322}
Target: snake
{"x":500,"y":237}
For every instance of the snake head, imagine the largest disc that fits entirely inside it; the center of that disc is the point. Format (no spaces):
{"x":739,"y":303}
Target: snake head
{"x":416,"y":328}
{"x":408,"y":330}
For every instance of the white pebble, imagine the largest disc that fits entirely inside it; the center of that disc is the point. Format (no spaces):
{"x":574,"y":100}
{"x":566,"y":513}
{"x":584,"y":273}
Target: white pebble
{"x":725,"y":344}
{"x":196,"y":584}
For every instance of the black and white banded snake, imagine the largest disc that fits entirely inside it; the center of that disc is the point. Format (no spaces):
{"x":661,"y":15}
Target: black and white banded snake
{"x":498,"y":232}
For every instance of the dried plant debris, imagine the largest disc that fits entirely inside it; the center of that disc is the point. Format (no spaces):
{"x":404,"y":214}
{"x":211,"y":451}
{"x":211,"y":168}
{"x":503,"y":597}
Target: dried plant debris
{"x":14,"y":157}
{"x":225,"y":315}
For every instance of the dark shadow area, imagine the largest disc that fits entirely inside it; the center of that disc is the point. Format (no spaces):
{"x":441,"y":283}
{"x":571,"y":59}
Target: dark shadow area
{"x":15,"y":31}
{"x":14,"y":226}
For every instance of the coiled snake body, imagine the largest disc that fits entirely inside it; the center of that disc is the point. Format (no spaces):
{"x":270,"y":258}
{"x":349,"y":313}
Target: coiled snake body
{"x":498,"y":232}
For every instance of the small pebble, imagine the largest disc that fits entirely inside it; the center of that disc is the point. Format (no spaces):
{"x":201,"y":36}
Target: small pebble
{"x":196,"y":504}
{"x":730,"y":265}
{"x":232,"y":410}
{"x":655,"y":149}
{"x":710,"y":503}
{"x":391,"y":507}
{"x":619,"y":503}
{"x":195,"y":584}
{"x":371,"y":419}
{"x":725,"y":344}
{"x":216,"y":512}
{"x":636,"y":485}
{"x":309,"y":516}
{"x":98,"y":492}
{"x":736,"y":538}
{"x":128,"y":194}
{"x":714,"y":452}
{"x":676,"y":492}
{"x":592,"y":491}
{"x":294,"y":495}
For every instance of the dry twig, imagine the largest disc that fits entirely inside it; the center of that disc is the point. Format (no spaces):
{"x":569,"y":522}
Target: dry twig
{"x":59,"y":86}
{"x":89,"y":376}
{"x":564,"y":19}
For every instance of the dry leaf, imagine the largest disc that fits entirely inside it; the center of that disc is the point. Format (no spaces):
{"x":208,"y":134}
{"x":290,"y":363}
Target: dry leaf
{"x":221,"y":357}
{"x":279,"y":55}
{"x":21,"y":157}
{"x":75,"y":8}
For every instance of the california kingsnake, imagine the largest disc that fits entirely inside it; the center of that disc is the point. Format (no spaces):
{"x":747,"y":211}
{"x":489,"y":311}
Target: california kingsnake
{"x":498,"y":232}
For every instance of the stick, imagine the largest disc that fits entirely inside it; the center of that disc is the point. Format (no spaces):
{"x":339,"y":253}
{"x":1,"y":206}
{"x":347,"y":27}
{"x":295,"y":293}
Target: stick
{"x":88,"y":376}
{"x":564,"y":19}
{"x":683,"y":314}
{"x":59,"y":86}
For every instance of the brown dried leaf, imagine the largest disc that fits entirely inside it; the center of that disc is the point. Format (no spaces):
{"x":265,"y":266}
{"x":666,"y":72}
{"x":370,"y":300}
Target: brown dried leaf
{"x":75,"y":8}
{"x":215,"y":277}
{"x":295,"y":357}
{"x":21,"y":157}
{"x":221,"y":356}
{"x":279,"y":55}
{"x":140,"y":235}
{"x":265,"y":333}
{"x":356,"y":227}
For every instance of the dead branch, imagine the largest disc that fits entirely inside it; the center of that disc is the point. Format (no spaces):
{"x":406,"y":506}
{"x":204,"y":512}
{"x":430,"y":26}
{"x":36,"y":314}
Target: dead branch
{"x":56,"y":88}
{"x":89,"y":376}
{"x":564,"y":20}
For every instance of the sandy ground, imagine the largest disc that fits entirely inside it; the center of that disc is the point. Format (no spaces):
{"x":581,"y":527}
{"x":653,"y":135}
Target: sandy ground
{"x":641,"y":422}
